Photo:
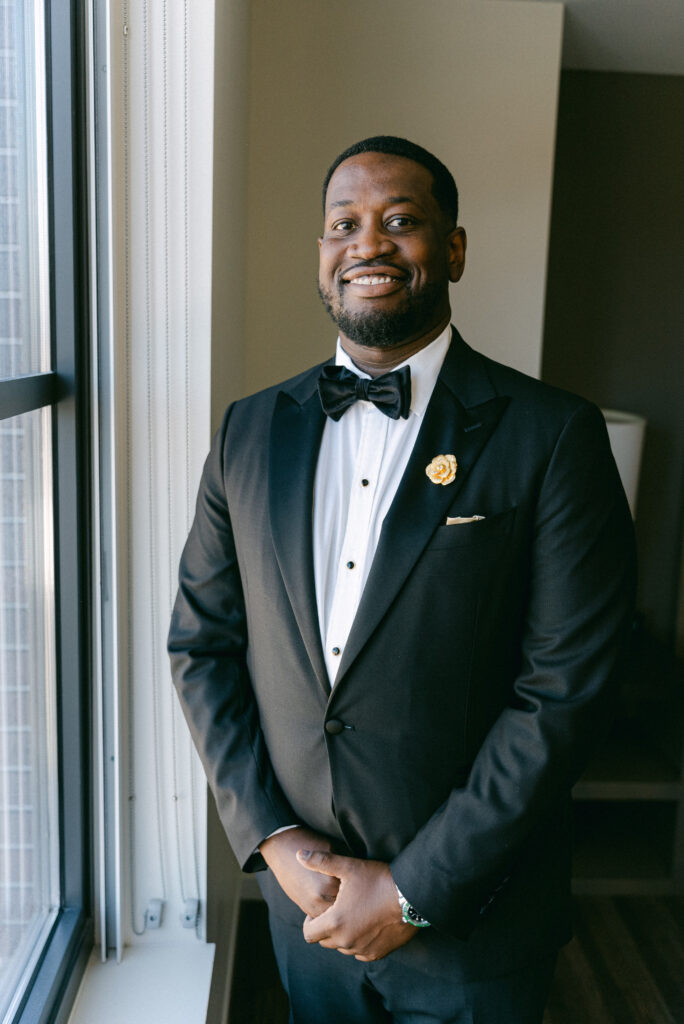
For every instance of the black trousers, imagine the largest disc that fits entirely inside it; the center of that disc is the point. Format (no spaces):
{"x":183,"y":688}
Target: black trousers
{"x":326,"y":987}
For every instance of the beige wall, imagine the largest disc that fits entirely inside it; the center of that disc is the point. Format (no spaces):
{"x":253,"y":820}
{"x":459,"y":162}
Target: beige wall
{"x":474,"y":81}
{"x":229,"y":236}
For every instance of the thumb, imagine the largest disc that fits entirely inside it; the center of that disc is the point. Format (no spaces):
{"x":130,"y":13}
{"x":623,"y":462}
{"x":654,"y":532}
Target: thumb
{"x":324,"y":863}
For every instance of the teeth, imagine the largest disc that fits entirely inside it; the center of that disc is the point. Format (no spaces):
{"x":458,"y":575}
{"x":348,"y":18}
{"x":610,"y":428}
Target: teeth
{"x":373,"y":279}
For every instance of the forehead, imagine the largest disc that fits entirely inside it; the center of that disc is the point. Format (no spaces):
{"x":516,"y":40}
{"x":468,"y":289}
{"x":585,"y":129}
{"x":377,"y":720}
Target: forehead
{"x":380,"y":177}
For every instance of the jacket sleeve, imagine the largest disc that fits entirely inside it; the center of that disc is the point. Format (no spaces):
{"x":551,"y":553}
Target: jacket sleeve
{"x":208,"y":646}
{"x":582,"y":582}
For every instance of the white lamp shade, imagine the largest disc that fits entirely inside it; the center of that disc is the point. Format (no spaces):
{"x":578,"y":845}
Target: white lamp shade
{"x":626,"y":433}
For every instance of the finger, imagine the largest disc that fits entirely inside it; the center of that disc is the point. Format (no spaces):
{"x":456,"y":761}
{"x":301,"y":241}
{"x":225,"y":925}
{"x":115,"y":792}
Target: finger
{"x":321,"y":927}
{"x":313,"y":930}
{"x":321,"y":936}
{"x":325,"y":863}
{"x":367,"y":954}
{"x":327,"y":942}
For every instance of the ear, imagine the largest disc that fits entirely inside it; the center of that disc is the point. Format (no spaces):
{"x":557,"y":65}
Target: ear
{"x":320,"y":242}
{"x":457,"y":252}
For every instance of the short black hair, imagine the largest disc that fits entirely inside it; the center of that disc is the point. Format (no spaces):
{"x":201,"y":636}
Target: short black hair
{"x":443,"y":185}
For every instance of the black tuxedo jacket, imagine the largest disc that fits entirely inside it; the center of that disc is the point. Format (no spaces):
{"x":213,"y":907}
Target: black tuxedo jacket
{"x":478,"y":671}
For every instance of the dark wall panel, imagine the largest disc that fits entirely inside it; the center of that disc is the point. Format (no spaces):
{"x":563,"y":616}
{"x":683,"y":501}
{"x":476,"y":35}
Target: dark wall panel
{"x":614,"y":327}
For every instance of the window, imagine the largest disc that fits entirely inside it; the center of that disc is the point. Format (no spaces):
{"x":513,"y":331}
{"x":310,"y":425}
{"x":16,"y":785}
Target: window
{"x":44,"y":656}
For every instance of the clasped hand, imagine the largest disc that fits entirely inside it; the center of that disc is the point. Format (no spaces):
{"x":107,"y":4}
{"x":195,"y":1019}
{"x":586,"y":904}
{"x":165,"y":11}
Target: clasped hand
{"x":351,"y":904}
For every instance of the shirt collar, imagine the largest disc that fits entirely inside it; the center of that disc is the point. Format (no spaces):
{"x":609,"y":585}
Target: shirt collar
{"x":425,"y":366}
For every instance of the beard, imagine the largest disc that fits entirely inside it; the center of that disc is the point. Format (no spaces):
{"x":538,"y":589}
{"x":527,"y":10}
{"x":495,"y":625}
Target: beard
{"x":385,"y":328}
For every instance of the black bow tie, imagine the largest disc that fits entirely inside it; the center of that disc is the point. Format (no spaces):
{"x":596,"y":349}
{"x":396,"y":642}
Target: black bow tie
{"x":339,"y":388}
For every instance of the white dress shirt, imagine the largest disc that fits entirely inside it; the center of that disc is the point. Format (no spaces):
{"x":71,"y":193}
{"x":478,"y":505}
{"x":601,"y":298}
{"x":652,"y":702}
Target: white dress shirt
{"x":361,"y":460}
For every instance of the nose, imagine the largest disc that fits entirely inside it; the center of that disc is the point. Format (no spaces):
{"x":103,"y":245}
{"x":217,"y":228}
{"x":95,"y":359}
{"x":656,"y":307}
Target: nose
{"x":371,"y":240}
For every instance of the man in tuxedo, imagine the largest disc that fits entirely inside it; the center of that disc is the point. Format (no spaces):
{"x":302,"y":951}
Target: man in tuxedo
{"x":400,"y":610}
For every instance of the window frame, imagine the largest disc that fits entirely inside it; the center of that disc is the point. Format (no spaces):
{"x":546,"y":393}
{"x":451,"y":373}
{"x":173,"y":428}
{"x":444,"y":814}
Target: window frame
{"x":66,"y":388}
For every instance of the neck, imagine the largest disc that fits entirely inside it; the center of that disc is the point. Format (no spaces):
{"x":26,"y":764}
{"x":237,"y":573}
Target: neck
{"x":376,"y":361}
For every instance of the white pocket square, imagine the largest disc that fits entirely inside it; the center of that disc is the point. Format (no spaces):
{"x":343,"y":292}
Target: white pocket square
{"x":457,"y":520}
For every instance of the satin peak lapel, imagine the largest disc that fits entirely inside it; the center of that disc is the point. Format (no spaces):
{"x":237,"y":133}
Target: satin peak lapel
{"x":295,"y":439}
{"x":419,"y":505}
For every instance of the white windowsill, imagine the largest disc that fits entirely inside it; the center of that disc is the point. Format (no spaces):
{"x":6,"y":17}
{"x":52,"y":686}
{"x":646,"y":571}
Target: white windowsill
{"x":168,"y":983}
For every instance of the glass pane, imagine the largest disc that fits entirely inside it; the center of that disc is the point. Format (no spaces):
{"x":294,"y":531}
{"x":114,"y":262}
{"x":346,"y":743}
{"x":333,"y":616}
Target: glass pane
{"x":28,"y":785}
{"x":24,"y":343}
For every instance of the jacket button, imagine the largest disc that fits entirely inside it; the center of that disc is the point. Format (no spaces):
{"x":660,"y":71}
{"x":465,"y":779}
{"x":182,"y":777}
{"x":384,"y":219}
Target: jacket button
{"x":334,"y":727}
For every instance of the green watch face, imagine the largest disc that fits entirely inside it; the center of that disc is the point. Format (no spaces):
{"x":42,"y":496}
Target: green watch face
{"x":411,"y":916}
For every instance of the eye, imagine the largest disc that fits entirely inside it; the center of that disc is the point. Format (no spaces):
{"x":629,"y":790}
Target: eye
{"x":340,"y":226}
{"x":401,"y":220}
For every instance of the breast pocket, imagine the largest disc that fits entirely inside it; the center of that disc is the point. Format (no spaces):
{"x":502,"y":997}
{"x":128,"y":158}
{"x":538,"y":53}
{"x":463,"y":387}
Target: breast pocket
{"x":488,"y":531}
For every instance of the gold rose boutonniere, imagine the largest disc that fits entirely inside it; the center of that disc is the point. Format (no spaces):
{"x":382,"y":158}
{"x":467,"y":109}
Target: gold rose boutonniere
{"x":442,"y":469}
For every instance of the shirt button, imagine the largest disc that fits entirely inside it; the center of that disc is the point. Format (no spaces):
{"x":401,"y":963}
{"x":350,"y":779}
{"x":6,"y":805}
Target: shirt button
{"x":336,"y":650}
{"x":364,"y":483}
{"x":350,"y":565}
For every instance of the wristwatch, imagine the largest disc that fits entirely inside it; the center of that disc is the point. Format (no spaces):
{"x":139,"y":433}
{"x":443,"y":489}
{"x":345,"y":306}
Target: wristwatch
{"x":409,"y":914}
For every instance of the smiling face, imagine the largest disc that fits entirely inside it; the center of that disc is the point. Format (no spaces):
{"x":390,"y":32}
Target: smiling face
{"x":387,"y":253}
